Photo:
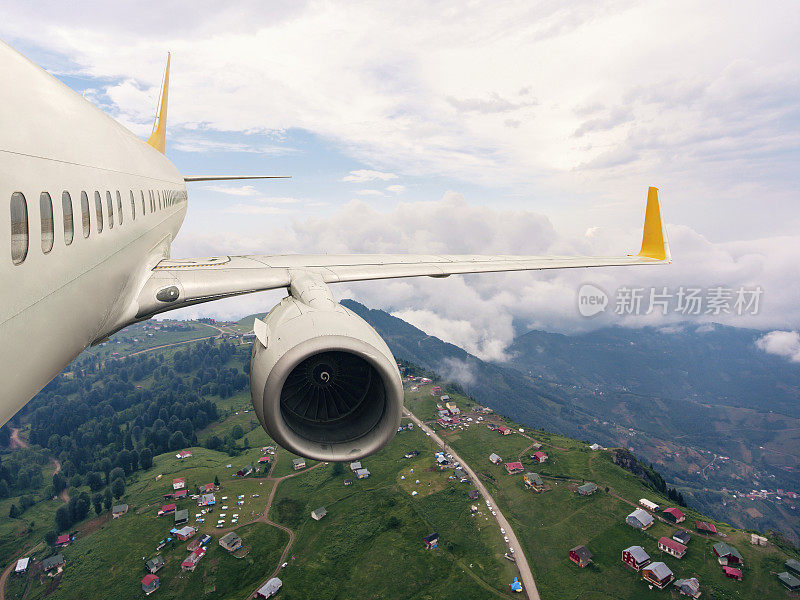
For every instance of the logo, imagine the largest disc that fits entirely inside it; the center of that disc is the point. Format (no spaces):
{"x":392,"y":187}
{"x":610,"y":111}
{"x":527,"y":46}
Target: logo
{"x":591,"y":300}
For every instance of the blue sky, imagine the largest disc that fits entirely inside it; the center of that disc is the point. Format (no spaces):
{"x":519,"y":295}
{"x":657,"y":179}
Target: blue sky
{"x":427,"y":127}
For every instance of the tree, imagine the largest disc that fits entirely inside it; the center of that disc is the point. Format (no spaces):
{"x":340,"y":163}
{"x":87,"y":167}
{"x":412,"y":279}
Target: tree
{"x":59,"y":483}
{"x":13,"y":512}
{"x":177,"y":441}
{"x":107,"y":500}
{"x":97,"y":502}
{"x":338,"y":469}
{"x":63,"y":519}
{"x":94,"y":480}
{"x":118,"y":488}
{"x":105,"y":466}
{"x":216,"y":480}
{"x":146,"y":458}
{"x":117,"y":473}
{"x":75,"y":481}
{"x":50,"y":537}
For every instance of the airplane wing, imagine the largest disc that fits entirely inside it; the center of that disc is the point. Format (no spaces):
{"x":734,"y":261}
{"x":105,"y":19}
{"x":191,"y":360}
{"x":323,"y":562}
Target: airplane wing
{"x":175,"y":283}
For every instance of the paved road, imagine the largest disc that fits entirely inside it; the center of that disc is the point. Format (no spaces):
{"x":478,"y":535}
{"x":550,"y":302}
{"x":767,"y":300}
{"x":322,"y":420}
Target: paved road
{"x":529,"y":585}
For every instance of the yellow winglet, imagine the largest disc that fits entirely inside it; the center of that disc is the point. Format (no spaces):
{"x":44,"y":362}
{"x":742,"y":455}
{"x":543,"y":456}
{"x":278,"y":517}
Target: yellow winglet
{"x":158,"y":139}
{"x":654,"y":238}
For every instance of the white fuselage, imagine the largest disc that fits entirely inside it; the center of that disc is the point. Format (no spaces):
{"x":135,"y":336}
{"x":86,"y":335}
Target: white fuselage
{"x":55,"y":303}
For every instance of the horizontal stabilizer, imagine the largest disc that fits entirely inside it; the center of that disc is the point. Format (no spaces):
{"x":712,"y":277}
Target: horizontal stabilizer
{"x":234,"y":177}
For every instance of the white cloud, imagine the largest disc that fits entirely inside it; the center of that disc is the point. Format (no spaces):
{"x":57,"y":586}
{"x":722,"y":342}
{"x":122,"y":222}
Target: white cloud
{"x":396,"y":189}
{"x":482,"y":312}
{"x":369,"y":193}
{"x":782,"y":343}
{"x":362,"y":175}
{"x":241,"y":190}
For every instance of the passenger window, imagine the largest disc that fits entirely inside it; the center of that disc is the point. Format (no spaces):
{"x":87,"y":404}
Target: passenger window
{"x":98,"y":209}
{"x":110,"y":208}
{"x":158,"y":193}
{"x":46,"y":217}
{"x":87,"y":226}
{"x":133,"y":206}
{"x":144,"y":212}
{"x":66,"y":210}
{"x":19,"y":228}
{"x":119,"y":208}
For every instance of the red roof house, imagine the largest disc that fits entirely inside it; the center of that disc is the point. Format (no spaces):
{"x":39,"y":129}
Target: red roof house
{"x":540,"y":456}
{"x":264,"y":459}
{"x":150,"y":584}
{"x":184,"y":454}
{"x":674,"y":514}
{"x":504,"y":430}
{"x":178,"y":483}
{"x":635,"y":557}
{"x":732,"y":573}
{"x":191,"y":561}
{"x":670,"y":546}
{"x":62,"y":540}
{"x":179,"y":494}
{"x":514,"y":467}
{"x":703,"y":526}
{"x":166,"y":509}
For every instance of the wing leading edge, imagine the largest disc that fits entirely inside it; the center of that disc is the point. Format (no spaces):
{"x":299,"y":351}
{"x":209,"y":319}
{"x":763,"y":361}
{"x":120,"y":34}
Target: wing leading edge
{"x":178,"y":283}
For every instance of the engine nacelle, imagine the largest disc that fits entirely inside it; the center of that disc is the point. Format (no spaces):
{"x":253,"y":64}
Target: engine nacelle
{"x":324,"y":383}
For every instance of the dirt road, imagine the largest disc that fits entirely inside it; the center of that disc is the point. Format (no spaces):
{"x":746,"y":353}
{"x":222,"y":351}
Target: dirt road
{"x":525,"y":574}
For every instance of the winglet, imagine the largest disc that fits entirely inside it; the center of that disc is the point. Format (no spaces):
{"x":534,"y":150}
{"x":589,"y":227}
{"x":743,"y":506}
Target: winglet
{"x":158,"y":139}
{"x":654,"y":238}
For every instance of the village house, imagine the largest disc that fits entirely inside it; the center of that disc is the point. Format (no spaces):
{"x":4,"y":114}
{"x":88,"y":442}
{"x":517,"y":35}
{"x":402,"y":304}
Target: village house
{"x":62,"y":540}
{"x":185,"y":533}
{"x":431,"y":541}
{"x":533,"y":481}
{"x":180,"y":494}
{"x":362,"y":473}
{"x":580,"y":555}
{"x":181,"y":516}
{"x":789,"y":581}
{"x":640,"y":519}
{"x":672,"y":547}
{"x":245,"y":471}
{"x":197,"y":542}
{"x":596,"y":446}
{"x":206,"y":500}
{"x":178,"y":483}
{"x":703,"y":526}
{"x":22,"y":565}
{"x":230,"y":541}
{"x":504,"y":430}
{"x":539,"y":457}
{"x":495,"y":458}
{"x":726,"y":554}
{"x":264,"y":460}
{"x":758,"y":540}
{"x":688,"y":587}
{"x":587,"y":489}
{"x":184,"y":454}
{"x":461,"y":475}
{"x":436,"y":390}
{"x":348,"y":482}
{"x":207,"y":488}
{"x":635,"y":557}
{"x":657,"y":574}
{"x":682,"y":536}
{"x":191,"y":561}
{"x":118,"y":510}
{"x":150,"y":584}
{"x":732,"y":572}
{"x":318,"y":513}
{"x":355,"y":466}
{"x":52,"y":562}
{"x":412,"y":454}
{"x":269,"y":589}
{"x":298,"y":463}
{"x":675,"y":515}
{"x":793,"y":566}
{"x":514,"y":467}
{"x":649,"y":505}
{"x":473,"y":494}
{"x":154,"y":564}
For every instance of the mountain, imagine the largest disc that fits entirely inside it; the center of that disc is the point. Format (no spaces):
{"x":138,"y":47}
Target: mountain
{"x":718,"y":416}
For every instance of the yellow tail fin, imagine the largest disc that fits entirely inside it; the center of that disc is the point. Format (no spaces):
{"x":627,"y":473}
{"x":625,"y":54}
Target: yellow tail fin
{"x":654,"y":240}
{"x":158,"y":139}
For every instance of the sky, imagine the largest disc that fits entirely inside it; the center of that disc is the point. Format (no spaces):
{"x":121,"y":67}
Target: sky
{"x":477,"y":127}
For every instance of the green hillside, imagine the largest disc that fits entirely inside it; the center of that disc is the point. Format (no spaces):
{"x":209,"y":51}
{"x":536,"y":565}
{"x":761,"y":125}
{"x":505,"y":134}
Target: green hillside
{"x":369,"y":545}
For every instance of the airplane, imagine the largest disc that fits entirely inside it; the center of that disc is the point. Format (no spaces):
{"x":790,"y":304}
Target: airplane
{"x":85,"y":251}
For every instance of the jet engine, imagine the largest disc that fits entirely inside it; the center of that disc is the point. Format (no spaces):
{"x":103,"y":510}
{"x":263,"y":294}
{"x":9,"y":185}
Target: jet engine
{"x":324,"y":384}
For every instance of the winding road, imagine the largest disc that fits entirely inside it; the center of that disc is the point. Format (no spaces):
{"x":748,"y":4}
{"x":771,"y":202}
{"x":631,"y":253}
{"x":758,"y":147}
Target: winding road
{"x":525,"y":574}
